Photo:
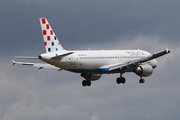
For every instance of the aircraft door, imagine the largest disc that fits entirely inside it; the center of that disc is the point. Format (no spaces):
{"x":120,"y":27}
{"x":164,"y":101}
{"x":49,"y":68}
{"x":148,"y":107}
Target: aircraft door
{"x":120,"y":60}
{"x":73,"y":61}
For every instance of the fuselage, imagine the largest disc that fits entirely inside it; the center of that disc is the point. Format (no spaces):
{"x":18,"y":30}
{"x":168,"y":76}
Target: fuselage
{"x":96,"y":61}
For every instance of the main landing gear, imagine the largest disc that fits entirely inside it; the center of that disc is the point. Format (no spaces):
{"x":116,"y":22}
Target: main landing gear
{"x":121,"y":79}
{"x":86,"y":83}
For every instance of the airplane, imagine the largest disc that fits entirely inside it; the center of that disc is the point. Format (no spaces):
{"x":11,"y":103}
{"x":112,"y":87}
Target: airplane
{"x":91,"y":64}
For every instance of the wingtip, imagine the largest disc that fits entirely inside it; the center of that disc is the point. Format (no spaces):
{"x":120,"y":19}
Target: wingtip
{"x":13,"y":62}
{"x":167,"y":50}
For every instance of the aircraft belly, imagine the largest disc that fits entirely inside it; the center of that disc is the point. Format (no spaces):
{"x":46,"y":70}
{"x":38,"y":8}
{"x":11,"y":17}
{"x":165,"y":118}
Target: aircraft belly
{"x":89,"y":64}
{"x":93,"y":67}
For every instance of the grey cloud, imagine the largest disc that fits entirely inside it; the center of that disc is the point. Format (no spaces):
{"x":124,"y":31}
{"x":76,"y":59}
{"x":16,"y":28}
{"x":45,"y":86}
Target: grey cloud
{"x":85,"y":22}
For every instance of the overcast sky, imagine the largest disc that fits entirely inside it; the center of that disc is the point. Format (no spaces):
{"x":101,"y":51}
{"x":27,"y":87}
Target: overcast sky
{"x":27,"y":93}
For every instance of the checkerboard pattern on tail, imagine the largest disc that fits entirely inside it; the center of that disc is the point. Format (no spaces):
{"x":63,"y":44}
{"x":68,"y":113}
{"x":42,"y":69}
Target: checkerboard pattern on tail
{"x":51,"y":42}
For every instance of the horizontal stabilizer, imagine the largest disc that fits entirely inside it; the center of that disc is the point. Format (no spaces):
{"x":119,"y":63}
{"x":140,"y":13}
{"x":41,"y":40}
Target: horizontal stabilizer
{"x":26,"y":57}
{"x":63,"y":55}
{"x":54,"y":55}
{"x":38,"y":65}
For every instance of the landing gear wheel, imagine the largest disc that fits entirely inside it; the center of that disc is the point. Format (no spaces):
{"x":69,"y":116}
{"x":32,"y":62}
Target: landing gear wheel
{"x":141,"y":81}
{"x":123,"y":80}
{"x":84,"y":83}
{"x":118,"y":80}
{"x":88,"y":82}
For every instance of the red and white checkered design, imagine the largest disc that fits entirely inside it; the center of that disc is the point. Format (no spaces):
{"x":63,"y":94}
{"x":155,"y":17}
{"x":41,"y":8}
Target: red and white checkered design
{"x":50,"y":40}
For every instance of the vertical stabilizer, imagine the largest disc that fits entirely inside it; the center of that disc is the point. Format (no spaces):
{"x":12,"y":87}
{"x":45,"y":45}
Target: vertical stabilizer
{"x":51,"y":42}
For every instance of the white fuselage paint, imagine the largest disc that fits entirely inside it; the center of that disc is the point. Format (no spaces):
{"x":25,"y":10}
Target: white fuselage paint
{"x":95,"y":61}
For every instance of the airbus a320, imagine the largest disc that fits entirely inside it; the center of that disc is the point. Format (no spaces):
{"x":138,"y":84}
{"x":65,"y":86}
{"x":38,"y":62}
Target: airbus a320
{"x":91,"y":64}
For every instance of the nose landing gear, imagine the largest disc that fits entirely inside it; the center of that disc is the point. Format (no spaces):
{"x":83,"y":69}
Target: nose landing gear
{"x":141,"y":80}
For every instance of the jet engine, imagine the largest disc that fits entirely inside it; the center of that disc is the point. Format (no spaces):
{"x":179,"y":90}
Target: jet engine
{"x":144,"y":70}
{"x":91,"y":76}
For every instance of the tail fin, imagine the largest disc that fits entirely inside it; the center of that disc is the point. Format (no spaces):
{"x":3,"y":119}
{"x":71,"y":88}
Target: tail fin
{"x":51,"y":42}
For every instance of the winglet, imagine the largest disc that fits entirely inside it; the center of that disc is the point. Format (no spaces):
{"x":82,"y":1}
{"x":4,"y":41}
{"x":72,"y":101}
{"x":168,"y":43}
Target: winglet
{"x":167,"y":50}
{"x":13,"y":62}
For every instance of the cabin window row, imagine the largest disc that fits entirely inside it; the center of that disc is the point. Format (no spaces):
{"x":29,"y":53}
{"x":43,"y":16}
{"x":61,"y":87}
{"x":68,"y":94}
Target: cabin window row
{"x":98,"y":57}
{"x":133,"y":56}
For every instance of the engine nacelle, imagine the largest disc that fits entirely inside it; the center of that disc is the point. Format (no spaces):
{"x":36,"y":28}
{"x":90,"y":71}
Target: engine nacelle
{"x":144,"y":70}
{"x":91,"y":76}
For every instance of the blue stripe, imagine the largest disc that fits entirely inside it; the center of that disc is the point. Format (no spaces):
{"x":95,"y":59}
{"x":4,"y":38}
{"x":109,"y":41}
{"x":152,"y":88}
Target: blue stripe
{"x":101,"y":70}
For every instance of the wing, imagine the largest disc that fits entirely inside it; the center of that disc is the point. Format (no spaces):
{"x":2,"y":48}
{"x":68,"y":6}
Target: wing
{"x":138,"y":61}
{"x":38,"y":65}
